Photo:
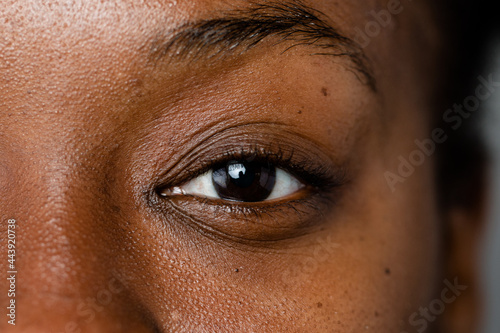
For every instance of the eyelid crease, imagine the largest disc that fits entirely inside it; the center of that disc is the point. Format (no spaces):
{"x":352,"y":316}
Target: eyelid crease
{"x":305,"y":170}
{"x":268,"y":140}
{"x":214,"y":134}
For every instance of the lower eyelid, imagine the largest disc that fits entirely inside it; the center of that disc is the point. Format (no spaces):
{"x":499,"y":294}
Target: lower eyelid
{"x":241,"y":223}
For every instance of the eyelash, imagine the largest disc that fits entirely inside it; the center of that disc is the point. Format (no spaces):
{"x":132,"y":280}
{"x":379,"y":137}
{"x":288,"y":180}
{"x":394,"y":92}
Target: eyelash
{"x":315,"y":177}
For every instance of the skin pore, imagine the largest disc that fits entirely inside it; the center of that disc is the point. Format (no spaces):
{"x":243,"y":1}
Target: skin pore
{"x":102,"y":113}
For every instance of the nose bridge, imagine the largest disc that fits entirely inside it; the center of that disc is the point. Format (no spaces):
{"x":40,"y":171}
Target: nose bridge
{"x":57,"y":143}
{"x":58,"y":113}
{"x":62,"y":194}
{"x":59,"y":224}
{"x":60,"y":206}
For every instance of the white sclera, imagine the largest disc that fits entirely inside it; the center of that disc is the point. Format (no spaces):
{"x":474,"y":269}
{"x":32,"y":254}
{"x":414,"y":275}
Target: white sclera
{"x":202,"y":186}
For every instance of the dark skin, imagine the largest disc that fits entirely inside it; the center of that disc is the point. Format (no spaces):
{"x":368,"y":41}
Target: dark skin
{"x":97,"y":129}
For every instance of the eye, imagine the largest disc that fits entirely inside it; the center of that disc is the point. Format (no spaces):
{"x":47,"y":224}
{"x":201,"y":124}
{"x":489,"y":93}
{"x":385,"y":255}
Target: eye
{"x":253,"y":189}
{"x":243,"y":181}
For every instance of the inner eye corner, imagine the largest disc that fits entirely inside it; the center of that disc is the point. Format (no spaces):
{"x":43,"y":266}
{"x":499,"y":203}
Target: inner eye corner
{"x":165,"y":191}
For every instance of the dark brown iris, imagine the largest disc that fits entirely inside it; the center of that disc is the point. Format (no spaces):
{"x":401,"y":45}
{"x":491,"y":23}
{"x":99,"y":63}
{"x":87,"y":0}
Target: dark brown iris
{"x":244,"y":181}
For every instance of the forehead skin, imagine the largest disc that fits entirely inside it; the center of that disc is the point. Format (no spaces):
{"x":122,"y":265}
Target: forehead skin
{"x":89,"y":124}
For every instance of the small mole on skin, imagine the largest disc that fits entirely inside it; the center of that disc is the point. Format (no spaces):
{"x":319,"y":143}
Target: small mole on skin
{"x":387,"y":271}
{"x":319,"y":305}
{"x":376,"y":314}
{"x":299,"y":112}
{"x":324,"y":91}
{"x":236,"y":270}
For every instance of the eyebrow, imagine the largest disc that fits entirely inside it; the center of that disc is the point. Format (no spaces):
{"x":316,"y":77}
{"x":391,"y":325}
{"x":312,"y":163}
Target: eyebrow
{"x":237,"y":31}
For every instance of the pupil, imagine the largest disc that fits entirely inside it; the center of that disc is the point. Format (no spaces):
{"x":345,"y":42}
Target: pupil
{"x":241,"y":175}
{"x":244,"y":181}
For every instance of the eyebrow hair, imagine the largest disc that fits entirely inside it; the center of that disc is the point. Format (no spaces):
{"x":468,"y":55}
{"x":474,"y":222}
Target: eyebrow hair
{"x":239,"y":30}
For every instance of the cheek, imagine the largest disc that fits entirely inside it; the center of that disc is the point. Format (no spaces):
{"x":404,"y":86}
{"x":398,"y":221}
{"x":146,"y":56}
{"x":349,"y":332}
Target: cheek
{"x":375,"y":264}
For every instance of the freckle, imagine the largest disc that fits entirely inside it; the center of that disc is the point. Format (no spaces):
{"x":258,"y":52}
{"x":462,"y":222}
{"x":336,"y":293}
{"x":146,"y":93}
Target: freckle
{"x":387,"y":271}
{"x":299,"y":112}
{"x":324,"y":91}
{"x":236,"y":270}
{"x":319,"y":305}
{"x":376,"y":314}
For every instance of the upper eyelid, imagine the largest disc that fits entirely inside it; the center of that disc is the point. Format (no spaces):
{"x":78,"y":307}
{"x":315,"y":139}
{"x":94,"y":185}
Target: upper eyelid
{"x":256,"y":135}
{"x":217,"y":134}
{"x":327,"y":181}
